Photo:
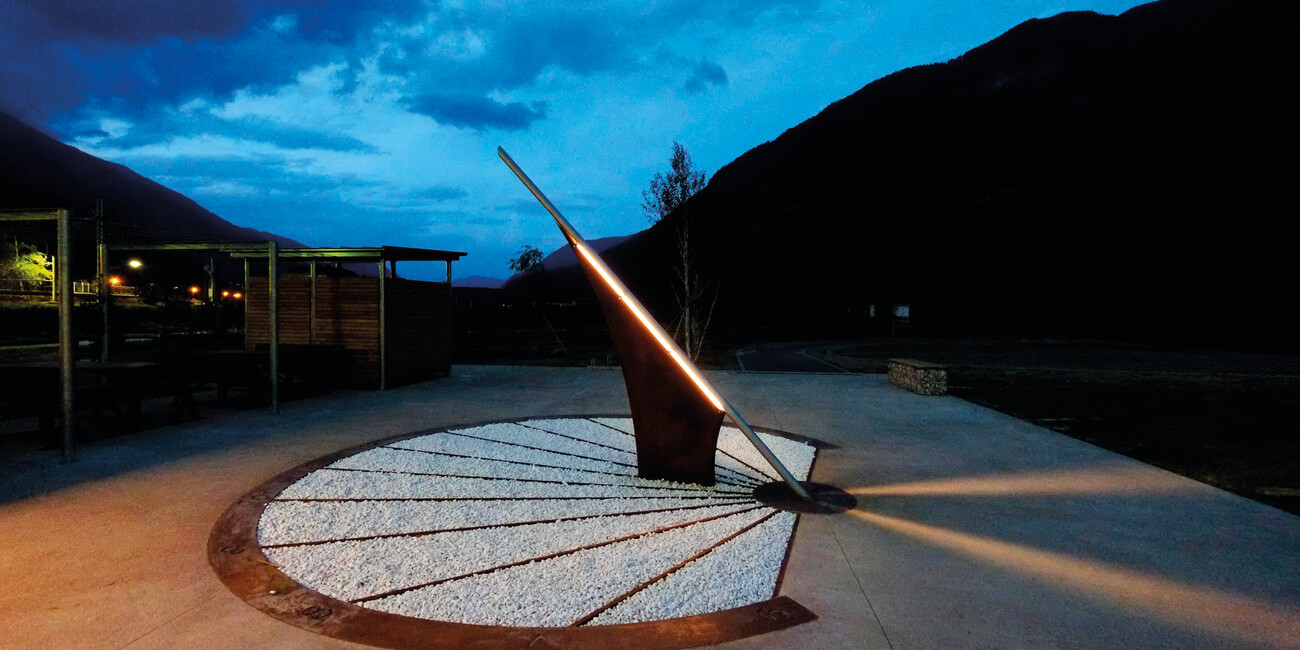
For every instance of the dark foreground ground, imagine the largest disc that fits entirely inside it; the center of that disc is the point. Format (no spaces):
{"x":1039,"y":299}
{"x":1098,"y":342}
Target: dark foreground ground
{"x":973,"y":530}
{"x":1228,"y":419}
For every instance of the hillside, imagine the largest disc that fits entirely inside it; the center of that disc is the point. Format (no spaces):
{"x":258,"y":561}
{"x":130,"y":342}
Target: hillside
{"x":37,"y":171}
{"x":1081,"y":174}
{"x":477,"y":282}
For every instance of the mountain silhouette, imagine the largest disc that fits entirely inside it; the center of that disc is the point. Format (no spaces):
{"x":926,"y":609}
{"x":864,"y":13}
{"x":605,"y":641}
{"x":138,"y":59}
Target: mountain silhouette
{"x":477,"y":282}
{"x":37,"y":171}
{"x":1081,"y":174}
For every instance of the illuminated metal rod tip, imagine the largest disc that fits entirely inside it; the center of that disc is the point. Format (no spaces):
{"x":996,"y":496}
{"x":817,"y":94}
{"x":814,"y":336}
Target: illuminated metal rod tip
{"x":653,"y":327}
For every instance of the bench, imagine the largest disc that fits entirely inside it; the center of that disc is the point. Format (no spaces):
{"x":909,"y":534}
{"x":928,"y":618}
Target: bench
{"x":920,"y":377}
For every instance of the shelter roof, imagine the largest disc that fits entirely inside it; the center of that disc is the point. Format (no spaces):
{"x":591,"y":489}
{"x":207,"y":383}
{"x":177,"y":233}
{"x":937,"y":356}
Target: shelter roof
{"x":262,"y":249}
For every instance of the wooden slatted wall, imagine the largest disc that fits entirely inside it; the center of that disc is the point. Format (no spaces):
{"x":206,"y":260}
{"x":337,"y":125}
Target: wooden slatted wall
{"x":419,"y":331}
{"x":347,"y":315}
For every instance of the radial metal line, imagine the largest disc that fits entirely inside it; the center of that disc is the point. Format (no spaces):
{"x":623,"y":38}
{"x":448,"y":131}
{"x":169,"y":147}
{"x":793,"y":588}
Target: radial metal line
{"x":556,"y":433}
{"x":733,"y":496}
{"x":551,"y":556}
{"x":519,"y":462}
{"x":523,"y":480}
{"x":549,"y":451}
{"x":512,"y":462}
{"x":508,"y":524}
{"x":732,"y":456}
{"x":680,"y":565}
{"x":754,"y":479}
{"x":585,"y":251}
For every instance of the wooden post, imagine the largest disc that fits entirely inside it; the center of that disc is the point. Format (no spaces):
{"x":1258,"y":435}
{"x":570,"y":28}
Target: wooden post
{"x":212,"y":280}
{"x":247,"y":340}
{"x":272,"y":294}
{"x":101,"y":269}
{"x":311,"y":315}
{"x":383,"y":327}
{"x":67,"y":343}
{"x":105,"y":293}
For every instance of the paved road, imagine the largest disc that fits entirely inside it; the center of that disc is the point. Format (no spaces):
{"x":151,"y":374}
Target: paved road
{"x":782,"y":358}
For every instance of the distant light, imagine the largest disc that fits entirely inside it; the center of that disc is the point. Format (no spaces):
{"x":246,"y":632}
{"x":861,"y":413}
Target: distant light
{"x":225,"y":294}
{"x":135,"y":264}
{"x":194,"y":290}
{"x":238,"y":295}
{"x":114,"y":280}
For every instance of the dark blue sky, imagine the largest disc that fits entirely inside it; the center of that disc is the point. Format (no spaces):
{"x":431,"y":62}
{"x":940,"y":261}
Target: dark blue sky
{"x":368,"y":122}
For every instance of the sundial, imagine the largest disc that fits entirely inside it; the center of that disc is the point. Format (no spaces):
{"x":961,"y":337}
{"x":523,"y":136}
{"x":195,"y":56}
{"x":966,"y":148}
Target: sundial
{"x":665,"y":529}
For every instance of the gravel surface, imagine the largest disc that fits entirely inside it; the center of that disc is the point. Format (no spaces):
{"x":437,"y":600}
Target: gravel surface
{"x":287,"y":522}
{"x":535,"y":523}
{"x":741,"y":571}
{"x":547,"y":593}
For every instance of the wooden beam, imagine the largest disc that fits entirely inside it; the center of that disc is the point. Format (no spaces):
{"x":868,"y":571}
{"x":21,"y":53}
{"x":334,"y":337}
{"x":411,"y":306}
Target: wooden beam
{"x":30,"y":215}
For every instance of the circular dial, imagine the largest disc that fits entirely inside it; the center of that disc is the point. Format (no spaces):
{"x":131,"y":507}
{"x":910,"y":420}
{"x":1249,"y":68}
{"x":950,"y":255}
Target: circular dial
{"x":535,"y":523}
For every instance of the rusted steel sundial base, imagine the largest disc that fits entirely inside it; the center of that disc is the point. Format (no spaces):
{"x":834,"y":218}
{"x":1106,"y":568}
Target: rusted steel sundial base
{"x":235,"y":554}
{"x":676,"y":425}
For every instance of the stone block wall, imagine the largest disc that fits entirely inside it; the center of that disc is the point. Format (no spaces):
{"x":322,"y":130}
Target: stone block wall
{"x":919,"y":376}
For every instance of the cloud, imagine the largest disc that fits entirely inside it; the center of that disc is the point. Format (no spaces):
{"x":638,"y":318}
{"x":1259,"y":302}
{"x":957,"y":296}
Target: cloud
{"x":477,"y":112}
{"x":506,"y":47}
{"x":136,"y":22}
{"x":226,"y":188}
{"x":137,"y":56}
{"x":440,"y":193}
{"x":312,"y":119}
{"x":253,"y":134}
{"x":706,"y":74}
{"x":141,"y":22}
{"x":290,"y":137}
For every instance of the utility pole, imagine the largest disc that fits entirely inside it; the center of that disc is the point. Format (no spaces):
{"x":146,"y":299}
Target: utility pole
{"x":101,"y":268}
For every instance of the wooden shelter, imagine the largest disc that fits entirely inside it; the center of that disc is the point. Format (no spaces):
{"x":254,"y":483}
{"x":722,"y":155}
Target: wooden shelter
{"x":387,"y":330}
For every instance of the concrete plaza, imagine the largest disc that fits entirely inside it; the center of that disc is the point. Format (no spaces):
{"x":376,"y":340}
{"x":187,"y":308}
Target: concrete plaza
{"x":973,"y":530}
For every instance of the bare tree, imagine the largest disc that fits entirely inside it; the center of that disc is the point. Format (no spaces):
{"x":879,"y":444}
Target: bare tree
{"x":669,"y":192}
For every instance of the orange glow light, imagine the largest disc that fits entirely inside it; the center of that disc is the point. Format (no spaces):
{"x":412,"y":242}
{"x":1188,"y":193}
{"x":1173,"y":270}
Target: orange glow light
{"x":114,"y":280}
{"x":654,"y":331}
{"x":238,"y":295}
{"x":1229,"y":615}
{"x":225,"y":294}
{"x":1083,"y":480}
{"x":194,"y":290}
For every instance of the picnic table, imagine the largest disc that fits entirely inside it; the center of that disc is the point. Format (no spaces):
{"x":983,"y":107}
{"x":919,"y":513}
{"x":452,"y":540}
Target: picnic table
{"x":32,"y":387}
{"x":307,"y":369}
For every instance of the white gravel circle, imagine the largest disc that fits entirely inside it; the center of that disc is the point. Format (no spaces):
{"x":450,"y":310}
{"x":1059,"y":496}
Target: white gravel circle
{"x":534,"y":523}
